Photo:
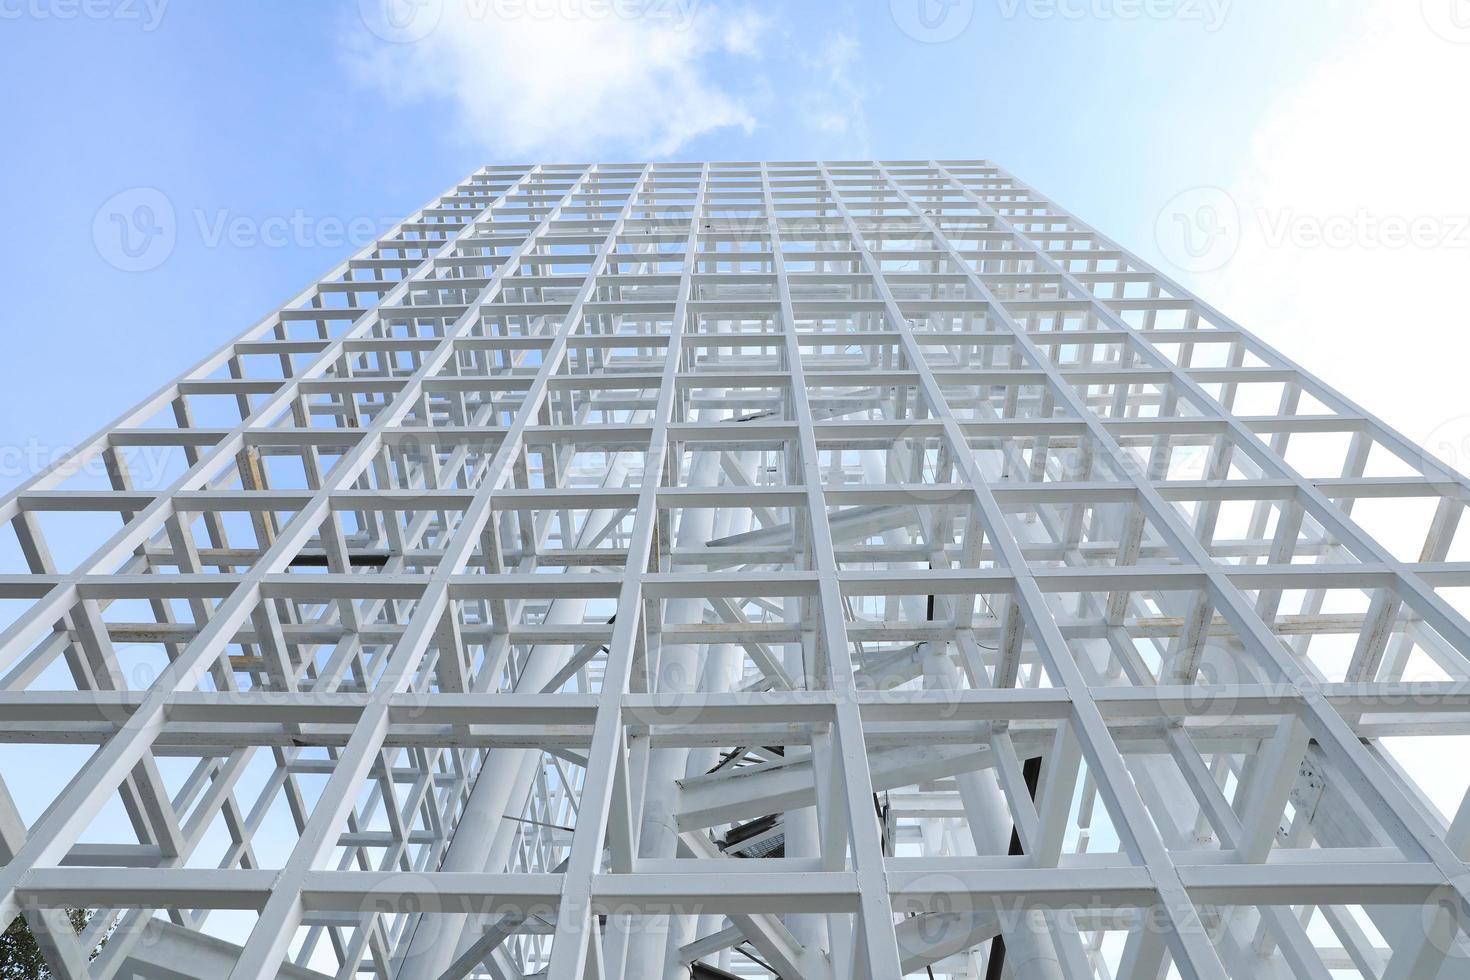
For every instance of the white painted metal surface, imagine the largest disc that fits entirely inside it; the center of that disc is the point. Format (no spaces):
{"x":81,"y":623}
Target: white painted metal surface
{"x":806,"y":570}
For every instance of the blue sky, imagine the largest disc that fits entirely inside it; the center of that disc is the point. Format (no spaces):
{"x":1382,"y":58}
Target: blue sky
{"x":279,"y":132}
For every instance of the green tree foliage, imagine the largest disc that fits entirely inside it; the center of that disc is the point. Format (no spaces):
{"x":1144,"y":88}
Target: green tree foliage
{"x":20,"y":957}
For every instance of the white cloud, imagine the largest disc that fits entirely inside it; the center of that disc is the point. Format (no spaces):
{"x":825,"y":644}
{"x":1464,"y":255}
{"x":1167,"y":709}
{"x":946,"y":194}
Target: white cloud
{"x":832,"y":103}
{"x":1311,"y":248}
{"x":1354,"y":221}
{"x":562,"y":79}
{"x":743,"y":34}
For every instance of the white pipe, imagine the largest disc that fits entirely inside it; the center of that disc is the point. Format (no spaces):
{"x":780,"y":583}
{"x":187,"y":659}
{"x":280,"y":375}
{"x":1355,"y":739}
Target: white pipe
{"x":500,"y":789}
{"x":676,"y":672}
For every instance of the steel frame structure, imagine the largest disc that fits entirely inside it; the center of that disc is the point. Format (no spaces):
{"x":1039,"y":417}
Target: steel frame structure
{"x":813,"y":570}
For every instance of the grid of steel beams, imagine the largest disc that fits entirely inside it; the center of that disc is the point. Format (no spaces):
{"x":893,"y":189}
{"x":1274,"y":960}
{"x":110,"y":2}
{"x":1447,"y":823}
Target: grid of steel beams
{"x":786,"y":570}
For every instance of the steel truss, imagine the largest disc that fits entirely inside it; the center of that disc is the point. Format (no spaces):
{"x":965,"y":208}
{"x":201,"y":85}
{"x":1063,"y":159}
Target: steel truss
{"x":795,"y":569}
